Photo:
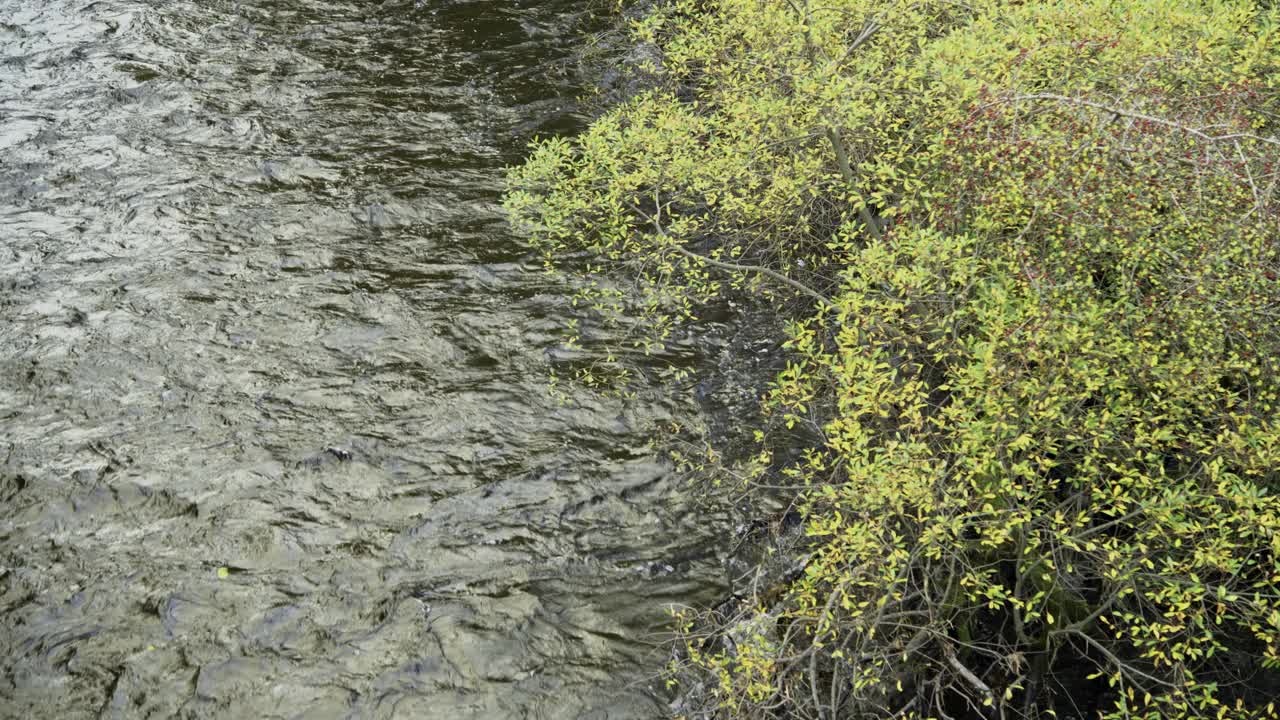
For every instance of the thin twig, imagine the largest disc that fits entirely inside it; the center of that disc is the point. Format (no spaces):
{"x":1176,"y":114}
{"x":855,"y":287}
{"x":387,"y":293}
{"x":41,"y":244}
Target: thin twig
{"x":737,"y":267}
{"x":1196,"y":132}
{"x":761,"y":270}
{"x":1120,"y":665}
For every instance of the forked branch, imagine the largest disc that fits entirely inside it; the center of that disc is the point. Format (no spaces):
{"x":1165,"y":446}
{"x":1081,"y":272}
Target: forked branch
{"x":735,"y":267}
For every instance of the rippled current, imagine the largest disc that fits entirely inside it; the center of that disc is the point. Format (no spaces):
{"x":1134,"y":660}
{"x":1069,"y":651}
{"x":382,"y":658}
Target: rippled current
{"x":275,"y":434}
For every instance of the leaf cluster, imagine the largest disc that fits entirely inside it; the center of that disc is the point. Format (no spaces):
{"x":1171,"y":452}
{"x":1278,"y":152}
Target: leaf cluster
{"x":1043,"y":372}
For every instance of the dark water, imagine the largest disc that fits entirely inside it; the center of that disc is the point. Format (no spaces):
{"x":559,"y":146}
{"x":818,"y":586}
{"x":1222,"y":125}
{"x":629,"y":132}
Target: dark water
{"x":275,"y":435}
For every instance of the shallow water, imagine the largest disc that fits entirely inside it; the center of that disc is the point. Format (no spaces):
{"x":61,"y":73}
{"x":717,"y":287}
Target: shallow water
{"x":275,"y":434}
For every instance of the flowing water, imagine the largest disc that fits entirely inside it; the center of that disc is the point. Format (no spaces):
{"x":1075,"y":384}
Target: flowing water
{"x":275,"y":434}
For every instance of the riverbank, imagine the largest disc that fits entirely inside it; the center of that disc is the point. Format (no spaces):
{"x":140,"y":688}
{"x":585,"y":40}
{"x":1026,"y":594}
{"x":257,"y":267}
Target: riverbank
{"x":1026,"y":261}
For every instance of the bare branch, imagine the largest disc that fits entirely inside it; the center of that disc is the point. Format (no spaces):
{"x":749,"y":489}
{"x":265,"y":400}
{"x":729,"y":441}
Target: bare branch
{"x":737,"y":267}
{"x":1194,"y":132}
{"x":760,"y":269}
{"x":846,"y":170}
{"x":1120,"y":664}
{"x":967,"y":674}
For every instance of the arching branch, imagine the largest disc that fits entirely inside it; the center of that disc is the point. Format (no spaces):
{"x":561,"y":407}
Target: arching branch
{"x":735,"y":267}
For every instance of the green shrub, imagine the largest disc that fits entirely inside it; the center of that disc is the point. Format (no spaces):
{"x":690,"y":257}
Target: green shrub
{"x":1040,"y":245}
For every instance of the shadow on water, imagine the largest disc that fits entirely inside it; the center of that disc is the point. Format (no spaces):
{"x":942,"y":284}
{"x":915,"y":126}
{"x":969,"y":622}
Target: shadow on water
{"x":274,"y":426}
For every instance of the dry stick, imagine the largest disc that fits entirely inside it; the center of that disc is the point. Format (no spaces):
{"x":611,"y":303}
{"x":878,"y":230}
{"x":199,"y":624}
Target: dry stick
{"x":966,"y":673}
{"x":867,"y":31}
{"x":813,"y":659}
{"x":902,"y":711}
{"x":813,"y":685}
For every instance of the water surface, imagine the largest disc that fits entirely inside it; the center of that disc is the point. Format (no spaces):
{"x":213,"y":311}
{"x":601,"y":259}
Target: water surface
{"x":275,"y":435}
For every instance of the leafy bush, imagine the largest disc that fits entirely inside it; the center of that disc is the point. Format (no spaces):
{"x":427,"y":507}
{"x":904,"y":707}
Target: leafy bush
{"x":1039,"y":246}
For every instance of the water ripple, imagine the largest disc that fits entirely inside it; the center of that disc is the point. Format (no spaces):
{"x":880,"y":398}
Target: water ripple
{"x":275,"y":434}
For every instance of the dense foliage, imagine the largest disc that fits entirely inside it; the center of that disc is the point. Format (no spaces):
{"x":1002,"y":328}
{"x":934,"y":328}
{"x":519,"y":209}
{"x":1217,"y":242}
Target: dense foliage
{"x":1031,"y":254}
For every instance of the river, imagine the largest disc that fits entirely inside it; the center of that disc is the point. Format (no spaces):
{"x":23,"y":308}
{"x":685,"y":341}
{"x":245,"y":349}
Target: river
{"x":276,"y":439}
